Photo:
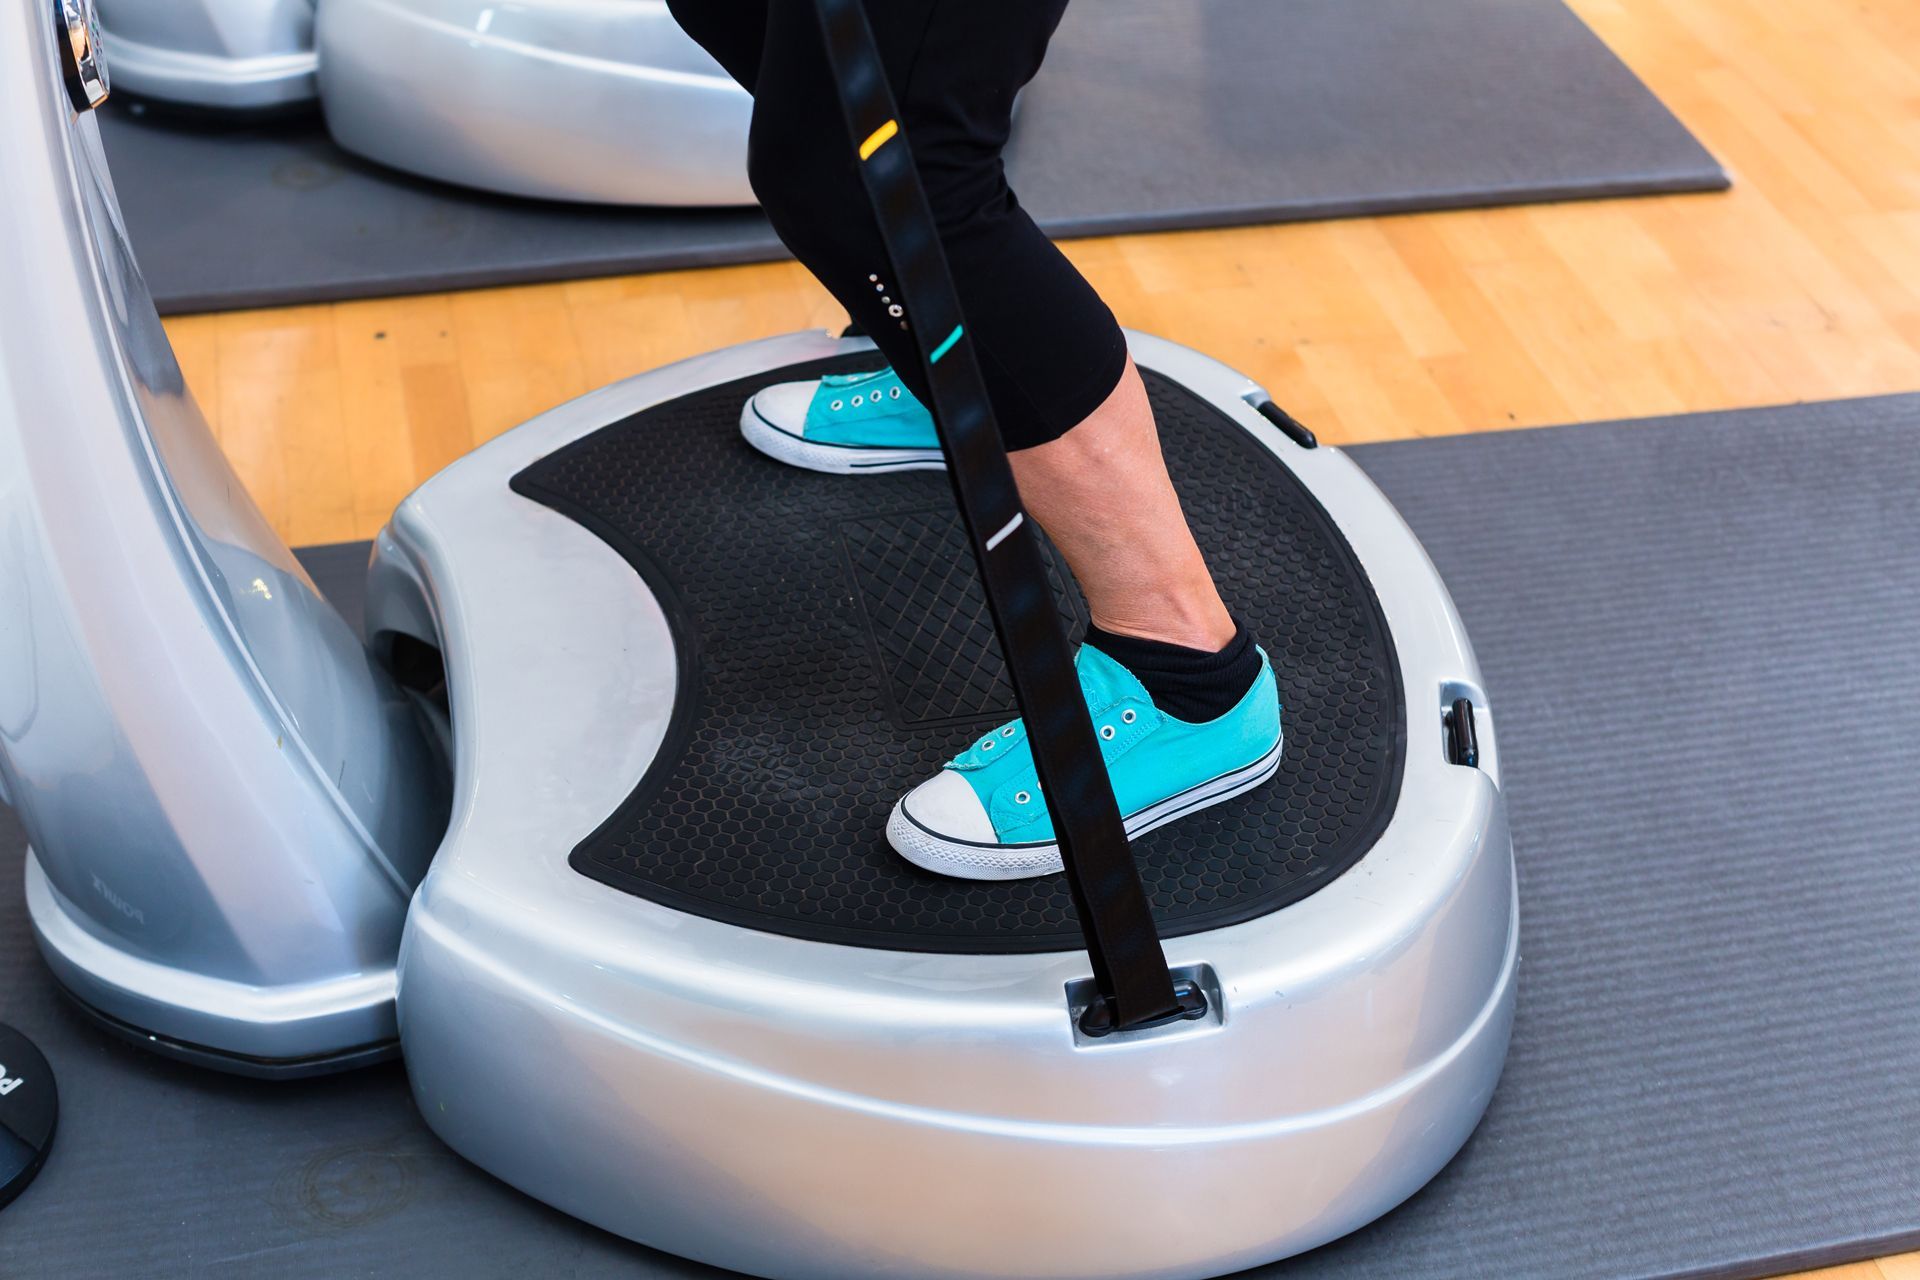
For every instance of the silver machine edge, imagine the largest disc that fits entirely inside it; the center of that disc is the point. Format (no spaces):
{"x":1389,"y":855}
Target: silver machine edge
{"x":221,"y":55}
{"x":239,"y":822}
{"x":811,"y":1094}
{"x":229,"y":803}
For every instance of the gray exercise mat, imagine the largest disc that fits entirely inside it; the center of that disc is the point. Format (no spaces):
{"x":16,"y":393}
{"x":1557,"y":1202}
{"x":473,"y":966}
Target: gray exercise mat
{"x":1702,"y":639}
{"x":1150,"y":114}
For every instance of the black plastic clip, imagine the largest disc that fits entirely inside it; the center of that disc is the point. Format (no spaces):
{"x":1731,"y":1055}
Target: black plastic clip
{"x":1290,"y":426}
{"x":1098,"y":1021}
{"x":1463,"y":742}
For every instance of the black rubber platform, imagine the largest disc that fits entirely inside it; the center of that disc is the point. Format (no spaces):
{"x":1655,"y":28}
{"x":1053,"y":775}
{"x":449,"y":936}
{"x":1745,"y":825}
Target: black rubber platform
{"x":835,"y":650}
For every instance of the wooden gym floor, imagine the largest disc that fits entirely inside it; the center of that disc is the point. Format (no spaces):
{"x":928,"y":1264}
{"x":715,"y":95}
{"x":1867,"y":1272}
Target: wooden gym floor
{"x":1803,"y":283}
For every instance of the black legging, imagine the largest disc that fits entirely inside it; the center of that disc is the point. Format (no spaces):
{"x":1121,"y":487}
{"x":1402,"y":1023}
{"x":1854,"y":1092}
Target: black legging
{"x":1049,"y":347}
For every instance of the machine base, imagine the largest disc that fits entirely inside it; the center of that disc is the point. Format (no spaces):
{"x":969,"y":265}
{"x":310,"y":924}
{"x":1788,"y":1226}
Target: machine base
{"x":234,"y":1064}
{"x":273,"y":1033}
{"x":554,"y":99}
{"x":264,"y":83}
{"x":718,"y":1084}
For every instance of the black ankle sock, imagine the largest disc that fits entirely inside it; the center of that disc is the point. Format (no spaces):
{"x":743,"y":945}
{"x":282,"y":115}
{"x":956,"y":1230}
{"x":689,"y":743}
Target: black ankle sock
{"x":1188,"y":684}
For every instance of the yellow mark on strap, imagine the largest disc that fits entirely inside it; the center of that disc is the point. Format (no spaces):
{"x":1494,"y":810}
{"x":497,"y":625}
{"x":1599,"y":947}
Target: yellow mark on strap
{"x":878,"y":139}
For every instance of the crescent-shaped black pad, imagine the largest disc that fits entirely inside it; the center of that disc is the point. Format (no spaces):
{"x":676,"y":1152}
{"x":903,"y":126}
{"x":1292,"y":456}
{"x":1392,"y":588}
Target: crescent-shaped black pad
{"x":835,"y":650}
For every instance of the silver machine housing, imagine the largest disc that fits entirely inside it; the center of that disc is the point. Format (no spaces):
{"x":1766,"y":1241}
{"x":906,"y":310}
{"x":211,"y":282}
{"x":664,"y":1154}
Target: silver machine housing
{"x":227,"y":55}
{"x":792,"y":1108}
{"x":597,"y":101}
{"x":229,"y":802}
{"x":239,"y":820}
{"x":581,"y":100}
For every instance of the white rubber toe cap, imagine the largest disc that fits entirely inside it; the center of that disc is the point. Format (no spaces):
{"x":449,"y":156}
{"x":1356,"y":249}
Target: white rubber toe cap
{"x":946,"y":806}
{"x":784,"y":404}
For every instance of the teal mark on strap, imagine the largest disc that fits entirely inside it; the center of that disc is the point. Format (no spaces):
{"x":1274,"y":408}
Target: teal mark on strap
{"x":946,"y":346}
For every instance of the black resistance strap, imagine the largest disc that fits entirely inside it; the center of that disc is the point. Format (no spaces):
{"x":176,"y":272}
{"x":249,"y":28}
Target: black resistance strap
{"x":1128,"y":963}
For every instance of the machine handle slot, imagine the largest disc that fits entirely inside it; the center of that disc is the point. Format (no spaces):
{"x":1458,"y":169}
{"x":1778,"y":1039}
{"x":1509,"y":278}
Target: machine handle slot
{"x":1462,"y":736}
{"x":1201,"y":1006}
{"x":1291,"y":427}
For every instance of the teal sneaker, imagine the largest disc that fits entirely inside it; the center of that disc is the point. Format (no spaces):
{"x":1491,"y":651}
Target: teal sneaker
{"x":845,"y":424}
{"x":982,"y":817}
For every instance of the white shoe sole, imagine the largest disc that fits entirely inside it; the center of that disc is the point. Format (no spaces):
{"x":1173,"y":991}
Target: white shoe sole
{"x":970,"y":861}
{"x":836,"y":459}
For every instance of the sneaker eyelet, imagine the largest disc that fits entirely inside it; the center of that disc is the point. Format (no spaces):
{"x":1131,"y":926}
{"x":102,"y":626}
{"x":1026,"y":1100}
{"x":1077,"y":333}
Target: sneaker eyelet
{"x":895,"y":393}
{"x":838,"y":405}
{"x":987,"y":745}
{"x":1106,"y":731}
{"x":1128,"y":716}
{"x":858,"y":401}
{"x":1022,"y":798}
{"x":896,"y":311}
{"x":1007,"y":732}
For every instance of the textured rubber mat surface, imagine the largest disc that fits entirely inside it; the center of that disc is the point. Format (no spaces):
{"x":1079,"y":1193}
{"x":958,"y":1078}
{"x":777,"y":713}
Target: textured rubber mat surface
{"x":835,"y":650}
{"x":1150,"y":114}
{"x":1700,"y":639}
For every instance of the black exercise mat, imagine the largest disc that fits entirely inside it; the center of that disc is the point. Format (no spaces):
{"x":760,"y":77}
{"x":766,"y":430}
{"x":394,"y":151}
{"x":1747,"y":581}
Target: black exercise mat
{"x":1700,"y":640}
{"x":862,"y":634}
{"x":1150,"y":114}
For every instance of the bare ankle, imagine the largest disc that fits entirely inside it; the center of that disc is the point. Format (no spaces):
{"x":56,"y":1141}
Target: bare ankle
{"x":1202,"y":624}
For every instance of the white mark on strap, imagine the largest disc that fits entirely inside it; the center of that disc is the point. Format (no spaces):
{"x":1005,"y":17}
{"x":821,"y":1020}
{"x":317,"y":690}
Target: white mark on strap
{"x":1006,"y":531}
